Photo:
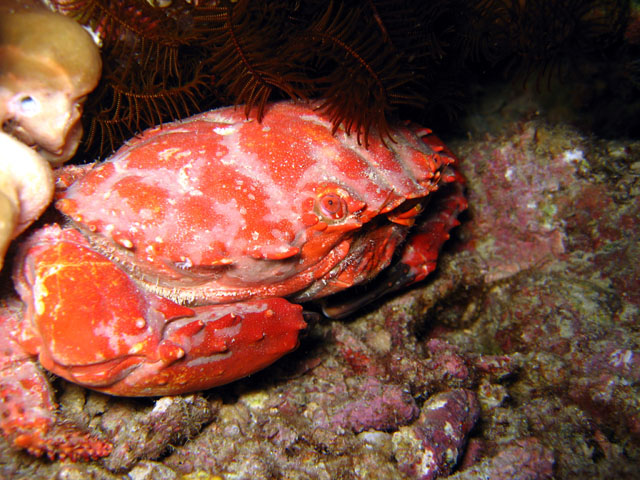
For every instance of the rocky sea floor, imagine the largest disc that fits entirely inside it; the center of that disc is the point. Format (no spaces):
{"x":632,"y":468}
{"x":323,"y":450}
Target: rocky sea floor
{"x":519,"y":358}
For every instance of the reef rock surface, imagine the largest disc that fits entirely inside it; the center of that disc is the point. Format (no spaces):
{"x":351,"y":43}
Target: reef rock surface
{"x":519,"y":358}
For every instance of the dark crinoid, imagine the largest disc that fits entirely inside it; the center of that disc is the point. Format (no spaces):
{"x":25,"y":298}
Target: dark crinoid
{"x":152,"y":67}
{"x":368,"y":61}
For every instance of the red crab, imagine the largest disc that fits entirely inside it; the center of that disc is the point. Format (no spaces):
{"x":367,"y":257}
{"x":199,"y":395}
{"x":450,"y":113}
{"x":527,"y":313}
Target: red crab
{"x":186,"y":254}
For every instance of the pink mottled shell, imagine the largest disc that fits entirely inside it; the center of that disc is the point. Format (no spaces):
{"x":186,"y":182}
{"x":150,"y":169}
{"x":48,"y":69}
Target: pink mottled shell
{"x":215,"y":188}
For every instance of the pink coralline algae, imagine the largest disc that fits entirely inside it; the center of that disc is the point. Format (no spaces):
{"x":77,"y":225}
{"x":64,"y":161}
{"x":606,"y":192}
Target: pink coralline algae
{"x":552,"y":250}
{"x":379,"y":407}
{"x":516,"y":225}
{"x":524,"y":459}
{"x":519,"y":360}
{"x":430,"y":447}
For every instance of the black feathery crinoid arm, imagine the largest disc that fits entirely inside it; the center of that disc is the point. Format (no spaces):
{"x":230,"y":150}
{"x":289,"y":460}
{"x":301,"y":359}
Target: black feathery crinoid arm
{"x":359,"y":75}
{"x":120,"y":110}
{"x":247,"y":63}
{"x":152,"y":70}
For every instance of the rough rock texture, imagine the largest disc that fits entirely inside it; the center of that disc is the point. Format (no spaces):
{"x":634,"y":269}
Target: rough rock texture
{"x":518,"y":359}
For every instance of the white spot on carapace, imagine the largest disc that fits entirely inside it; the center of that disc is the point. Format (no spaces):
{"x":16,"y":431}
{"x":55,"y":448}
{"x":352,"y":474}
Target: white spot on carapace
{"x":167,"y":153}
{"x":255,"y":235}
{"x":317,"y":120}
{"x":225,"y":130}
{"x":125,"y":242}
{"x":183,"y":178}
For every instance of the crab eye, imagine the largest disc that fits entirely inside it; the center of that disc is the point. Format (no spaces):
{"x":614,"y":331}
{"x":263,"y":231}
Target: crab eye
{"x":332,"y":206}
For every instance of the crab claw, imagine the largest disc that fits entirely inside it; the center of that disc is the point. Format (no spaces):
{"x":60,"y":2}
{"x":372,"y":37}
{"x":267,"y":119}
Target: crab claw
{"x":90,"y":323}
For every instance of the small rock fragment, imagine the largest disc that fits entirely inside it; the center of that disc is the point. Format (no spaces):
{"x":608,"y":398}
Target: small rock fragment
{"x":431,"y":446}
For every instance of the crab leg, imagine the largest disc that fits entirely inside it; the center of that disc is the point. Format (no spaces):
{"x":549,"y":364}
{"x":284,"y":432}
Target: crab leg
{"x":27,"y":410}
{"x":420,"y":252}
